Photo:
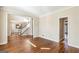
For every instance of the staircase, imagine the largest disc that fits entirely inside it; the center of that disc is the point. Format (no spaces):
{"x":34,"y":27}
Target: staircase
{"x":23,"y":28}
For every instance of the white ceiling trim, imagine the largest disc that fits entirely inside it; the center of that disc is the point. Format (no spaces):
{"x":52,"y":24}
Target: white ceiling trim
{"x":19,"y":12}
{"x":53,"y":12}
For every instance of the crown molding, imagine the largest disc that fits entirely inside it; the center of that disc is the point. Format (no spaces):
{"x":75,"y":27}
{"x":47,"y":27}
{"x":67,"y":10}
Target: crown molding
{"x":17,"y":11}
{"x":53,"y":12}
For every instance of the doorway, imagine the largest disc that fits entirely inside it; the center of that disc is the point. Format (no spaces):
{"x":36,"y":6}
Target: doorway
{"x":20,"y":26}
{"x":63,"y":34}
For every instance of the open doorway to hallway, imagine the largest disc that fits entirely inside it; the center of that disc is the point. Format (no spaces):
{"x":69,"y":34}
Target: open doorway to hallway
{"x":19,"y":25}
{"x":63,"y":34}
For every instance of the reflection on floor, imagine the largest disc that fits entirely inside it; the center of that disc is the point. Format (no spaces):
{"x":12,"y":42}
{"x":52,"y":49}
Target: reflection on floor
{"x":20,"y":44}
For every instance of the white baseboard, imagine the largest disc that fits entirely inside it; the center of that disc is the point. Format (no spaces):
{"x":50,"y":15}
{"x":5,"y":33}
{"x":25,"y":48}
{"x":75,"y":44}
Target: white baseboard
{"x":2,"y":43}
{"x":73,"y":45}
{"x":48,"y":38}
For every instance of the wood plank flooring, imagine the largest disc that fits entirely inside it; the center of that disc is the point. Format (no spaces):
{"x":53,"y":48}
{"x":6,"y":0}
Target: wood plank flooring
{"x":19,"y":44}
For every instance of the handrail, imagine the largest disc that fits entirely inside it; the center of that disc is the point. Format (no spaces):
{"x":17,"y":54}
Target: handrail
{"x":24,"y":31}
{"x":24,"y":26}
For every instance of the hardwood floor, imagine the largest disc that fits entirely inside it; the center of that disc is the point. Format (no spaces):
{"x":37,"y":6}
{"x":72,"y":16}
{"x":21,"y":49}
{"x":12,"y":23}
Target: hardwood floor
{"x":19,"y":44}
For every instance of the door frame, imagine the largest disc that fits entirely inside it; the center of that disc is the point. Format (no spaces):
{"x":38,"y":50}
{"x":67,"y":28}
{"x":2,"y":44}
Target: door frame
{"x":63,"y":42}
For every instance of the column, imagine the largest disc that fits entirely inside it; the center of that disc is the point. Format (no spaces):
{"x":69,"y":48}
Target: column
{"x":3,"y":26}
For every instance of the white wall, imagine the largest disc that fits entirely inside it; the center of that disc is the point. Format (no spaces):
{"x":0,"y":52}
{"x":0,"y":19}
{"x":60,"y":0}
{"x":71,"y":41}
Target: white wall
{"x":35,"y":26}
{"x":3,"y":26}
{"x":49,"y":25}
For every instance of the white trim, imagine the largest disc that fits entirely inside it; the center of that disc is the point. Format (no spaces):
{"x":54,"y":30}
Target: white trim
{"x":16,"y":11}
{"x":55,"y":11}
{"x":73,"y":45}
{"x":2,"y":43}
{"x":49,"y":38}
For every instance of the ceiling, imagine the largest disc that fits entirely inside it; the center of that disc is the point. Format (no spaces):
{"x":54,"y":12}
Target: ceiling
{"x":40,"y":10}
{"x":18,"y":19}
